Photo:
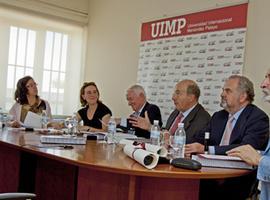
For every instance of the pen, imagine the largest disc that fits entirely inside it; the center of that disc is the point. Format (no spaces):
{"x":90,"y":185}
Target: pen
{"x":52,"y":146}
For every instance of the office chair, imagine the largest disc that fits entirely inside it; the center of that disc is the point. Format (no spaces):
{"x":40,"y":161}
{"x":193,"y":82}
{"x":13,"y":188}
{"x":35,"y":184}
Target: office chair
{"x":17,"y":196}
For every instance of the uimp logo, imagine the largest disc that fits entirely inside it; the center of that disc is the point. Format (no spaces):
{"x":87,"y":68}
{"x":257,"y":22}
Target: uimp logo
{"x":168,"y":27}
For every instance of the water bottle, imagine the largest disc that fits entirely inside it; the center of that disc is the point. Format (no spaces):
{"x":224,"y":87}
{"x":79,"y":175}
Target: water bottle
{"x":44,"y":119}
{"x":155,"y":133}
{"x":178,"y":142}
{"x":206,"y":142}
{"x":111,"y":130}
{"x":74,"y":124}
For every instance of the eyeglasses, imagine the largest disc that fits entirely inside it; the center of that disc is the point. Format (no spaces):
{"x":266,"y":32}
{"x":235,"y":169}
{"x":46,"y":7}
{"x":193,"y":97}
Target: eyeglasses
{"x":31,"y":85}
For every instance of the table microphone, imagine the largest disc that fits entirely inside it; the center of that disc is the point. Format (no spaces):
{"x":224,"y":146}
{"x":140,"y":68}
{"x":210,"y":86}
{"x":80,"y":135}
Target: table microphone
{"x":184,"y":163}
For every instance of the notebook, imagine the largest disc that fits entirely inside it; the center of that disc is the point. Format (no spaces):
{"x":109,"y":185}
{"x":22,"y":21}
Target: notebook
{"x":221,"y":161}
{"x":62,"y":139}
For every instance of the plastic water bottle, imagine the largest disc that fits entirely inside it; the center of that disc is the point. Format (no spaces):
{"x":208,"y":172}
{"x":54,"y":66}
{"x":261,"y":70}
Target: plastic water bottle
{"x":111,"y":130}
{"x":178,"y":142}
{"x":155,"y":133}
{"x":74,"y":124}
{"x":206,"y":142}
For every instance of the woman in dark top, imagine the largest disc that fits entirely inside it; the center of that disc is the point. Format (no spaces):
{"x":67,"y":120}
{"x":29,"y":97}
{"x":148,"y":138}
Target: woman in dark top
{"x":95,"y":115}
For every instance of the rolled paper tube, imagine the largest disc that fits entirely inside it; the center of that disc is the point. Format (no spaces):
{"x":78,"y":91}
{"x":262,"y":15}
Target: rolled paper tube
{"x":160,"y":150}
{"x":145,"y":158}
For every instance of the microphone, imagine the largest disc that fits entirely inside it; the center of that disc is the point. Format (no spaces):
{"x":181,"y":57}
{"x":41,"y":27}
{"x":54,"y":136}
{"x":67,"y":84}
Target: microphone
{"x":184,"y":163}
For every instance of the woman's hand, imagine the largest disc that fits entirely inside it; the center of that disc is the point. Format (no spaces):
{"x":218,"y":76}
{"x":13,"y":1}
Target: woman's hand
{"x":14,"y":124}
{"x":56,"y":125}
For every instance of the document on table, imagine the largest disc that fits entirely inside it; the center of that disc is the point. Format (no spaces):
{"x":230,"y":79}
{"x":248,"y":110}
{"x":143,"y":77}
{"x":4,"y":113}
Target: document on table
{"x":32,"y":120}
{"x":221,"y":161}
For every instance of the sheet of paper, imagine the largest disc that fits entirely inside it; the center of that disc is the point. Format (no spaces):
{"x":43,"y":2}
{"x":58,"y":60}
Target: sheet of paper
{"x":32,"y":120}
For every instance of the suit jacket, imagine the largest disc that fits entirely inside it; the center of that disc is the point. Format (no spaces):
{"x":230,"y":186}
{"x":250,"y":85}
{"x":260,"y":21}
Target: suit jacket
{"x":252,"y":127}
{"x":153,"y":112}
{"x":196,"y":120}
{"x":264,"y":174}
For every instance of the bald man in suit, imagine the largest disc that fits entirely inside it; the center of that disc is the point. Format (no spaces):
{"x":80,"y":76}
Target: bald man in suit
{"x":187,"y":110}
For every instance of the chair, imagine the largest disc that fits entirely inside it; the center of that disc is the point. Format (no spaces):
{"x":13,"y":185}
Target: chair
{"x":254,"y":192}
{"x":17,"y":196}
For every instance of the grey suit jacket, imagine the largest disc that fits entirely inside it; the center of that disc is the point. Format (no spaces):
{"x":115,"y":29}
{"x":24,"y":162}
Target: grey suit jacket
{"x":196,"y":120}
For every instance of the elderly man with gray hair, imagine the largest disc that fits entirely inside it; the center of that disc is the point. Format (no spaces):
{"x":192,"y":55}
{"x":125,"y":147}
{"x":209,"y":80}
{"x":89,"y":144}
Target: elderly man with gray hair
{"x":136,"y":98}
{"x":239,"y":123}
{"x":252,"y":156}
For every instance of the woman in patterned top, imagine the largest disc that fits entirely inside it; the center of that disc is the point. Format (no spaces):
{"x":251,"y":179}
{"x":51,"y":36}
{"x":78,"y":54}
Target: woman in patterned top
{"x":27,"y":99}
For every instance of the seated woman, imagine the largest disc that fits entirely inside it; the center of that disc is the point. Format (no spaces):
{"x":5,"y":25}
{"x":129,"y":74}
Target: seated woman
{"x":27,"y":99}
{"x":95,"y":115}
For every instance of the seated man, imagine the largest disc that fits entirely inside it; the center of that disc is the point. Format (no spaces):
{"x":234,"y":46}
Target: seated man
{"x":239,"y":123}
{"x":137,"y":100}
{"x":252,"y":157}
{"x":187,"y":110}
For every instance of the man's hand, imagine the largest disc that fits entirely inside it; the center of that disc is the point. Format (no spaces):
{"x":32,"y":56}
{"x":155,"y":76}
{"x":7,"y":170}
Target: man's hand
{"x":246,"y":153}
{"x":141,"y":122}
{"x":193,"y":148}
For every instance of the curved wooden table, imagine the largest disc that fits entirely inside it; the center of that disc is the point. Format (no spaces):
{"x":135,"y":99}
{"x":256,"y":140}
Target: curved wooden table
{"x":95,"y":171}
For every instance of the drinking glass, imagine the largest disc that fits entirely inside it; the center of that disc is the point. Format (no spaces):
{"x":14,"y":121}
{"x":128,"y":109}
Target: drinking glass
{"x":68,"y":125}
{"x":173,"y":146}
{"x":44,"y":119}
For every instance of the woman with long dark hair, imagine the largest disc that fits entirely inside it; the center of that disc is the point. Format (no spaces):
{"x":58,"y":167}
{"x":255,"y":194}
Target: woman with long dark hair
{"x":27,"y":99}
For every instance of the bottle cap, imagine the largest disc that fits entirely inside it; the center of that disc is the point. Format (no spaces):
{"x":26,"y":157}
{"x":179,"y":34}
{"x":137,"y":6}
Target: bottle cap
{"x":156,"y":122}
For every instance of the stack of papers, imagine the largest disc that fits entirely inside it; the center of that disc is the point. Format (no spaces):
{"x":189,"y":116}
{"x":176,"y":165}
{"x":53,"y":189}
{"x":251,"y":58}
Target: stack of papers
{"x":62,"y":139}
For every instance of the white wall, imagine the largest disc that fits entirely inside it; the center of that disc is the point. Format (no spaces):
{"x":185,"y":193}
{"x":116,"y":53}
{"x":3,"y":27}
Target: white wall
{"x":114,"y":35}
{"x":73,"y":11}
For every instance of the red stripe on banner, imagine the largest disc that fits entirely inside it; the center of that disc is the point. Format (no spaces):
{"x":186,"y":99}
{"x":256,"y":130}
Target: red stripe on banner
{"x":201,"y":22}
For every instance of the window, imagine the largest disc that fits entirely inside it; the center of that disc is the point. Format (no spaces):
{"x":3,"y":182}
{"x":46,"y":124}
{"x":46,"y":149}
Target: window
{"x":54,"y":70}
{"x":20,"y":58}
{"x":46,"y":50}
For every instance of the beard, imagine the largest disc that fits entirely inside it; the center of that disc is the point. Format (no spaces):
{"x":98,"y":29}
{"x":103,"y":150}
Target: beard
{"x":223,"y":103}
{"x":266,"y":94}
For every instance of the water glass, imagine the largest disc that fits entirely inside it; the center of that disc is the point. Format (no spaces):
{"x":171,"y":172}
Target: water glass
{"x":131,"y":131}
{"x":68,"y":125}
{"x":44,"y":119}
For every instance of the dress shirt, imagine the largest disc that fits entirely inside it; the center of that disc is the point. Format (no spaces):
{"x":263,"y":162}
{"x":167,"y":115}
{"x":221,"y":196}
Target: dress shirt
{"x":235,"y":117}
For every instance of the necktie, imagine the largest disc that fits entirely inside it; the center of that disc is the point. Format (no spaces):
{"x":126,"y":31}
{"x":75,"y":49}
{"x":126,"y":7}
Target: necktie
{"x":175,"y":123}
{"x":135,"y":114}
{"x":228,"y":131}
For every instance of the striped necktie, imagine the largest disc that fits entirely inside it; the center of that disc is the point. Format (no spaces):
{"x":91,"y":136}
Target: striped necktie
{"x":228,"y":131}
{"x":174,"y":126}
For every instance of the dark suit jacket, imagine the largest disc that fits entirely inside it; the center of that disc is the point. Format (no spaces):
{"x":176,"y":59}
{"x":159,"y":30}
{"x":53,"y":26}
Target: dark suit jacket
{"x":252,"y":127}
{"x":153,"y":112}
{"x":196,"y":120}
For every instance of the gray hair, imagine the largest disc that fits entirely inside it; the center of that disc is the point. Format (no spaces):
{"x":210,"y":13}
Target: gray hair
{"x":138,"y":89}
{"x":245,"y":85}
